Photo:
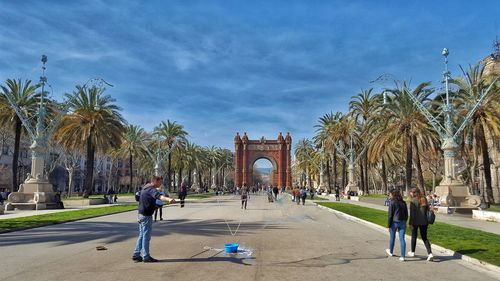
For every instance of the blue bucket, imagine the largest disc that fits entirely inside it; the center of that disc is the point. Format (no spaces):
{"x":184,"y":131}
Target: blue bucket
{"x":231,"y":248}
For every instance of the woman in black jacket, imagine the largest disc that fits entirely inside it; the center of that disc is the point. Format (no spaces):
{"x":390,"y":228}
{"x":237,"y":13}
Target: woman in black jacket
{"x":397,"y":217}
{"x":418,"y":220}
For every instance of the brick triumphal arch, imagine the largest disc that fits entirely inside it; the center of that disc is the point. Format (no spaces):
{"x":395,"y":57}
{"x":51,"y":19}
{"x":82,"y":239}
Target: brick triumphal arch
{"x":277,"y":151}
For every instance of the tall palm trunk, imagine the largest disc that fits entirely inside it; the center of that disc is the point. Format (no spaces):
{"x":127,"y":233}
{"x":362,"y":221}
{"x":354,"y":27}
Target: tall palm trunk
{"x":384,"y":176}
{"x":361,"y":172}
{"x":409,"y":163}
{"x":15,"y":156}
{"x":222,"y":178}
{"x":367,"y":184}
{"x":110,"y":175}
{"x":486,"y":165}
{"x":200,"y":179}
{"x":420,"y":173}
{"x":334,"y":169}
{"x":169,"y":172}
{"x":180,"y":178}
{"x":70,"y":181}
{"x":328,"y":175}
{"x":210,"y":177}
{"x":189,"y":177}
{"x":130,"y":162}
{"x":89,"y":167}
{"x":344,"y":173}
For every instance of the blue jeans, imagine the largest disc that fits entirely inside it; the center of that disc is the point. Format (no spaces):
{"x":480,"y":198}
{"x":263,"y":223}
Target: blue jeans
{"x":145,"y":228}
{"x":401,"y":226}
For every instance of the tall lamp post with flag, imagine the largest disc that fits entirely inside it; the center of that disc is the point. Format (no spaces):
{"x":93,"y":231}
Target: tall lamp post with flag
{"x":36,"y":192}
{"x":452,"y":190}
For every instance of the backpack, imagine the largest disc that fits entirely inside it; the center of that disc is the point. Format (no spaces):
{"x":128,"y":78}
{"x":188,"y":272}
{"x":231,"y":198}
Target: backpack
{"x":431,"y":217}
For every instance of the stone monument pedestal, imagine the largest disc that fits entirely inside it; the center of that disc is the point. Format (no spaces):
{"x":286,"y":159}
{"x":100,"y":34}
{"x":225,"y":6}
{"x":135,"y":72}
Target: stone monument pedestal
{"x":34,"y":194}
{"x":352,"y":187}
{"x":456,"y":194}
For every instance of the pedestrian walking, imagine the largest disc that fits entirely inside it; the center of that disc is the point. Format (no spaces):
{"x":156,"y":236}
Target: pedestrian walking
{"x":337,"y":194}
{"x":244,"y":196}
{"x":303,"y":195}
{"x":418,"y":220}
{"x":296,"y":193}
{"x":270,"y":197}
{"x":397,"y":217}
{"x":110,"y":196}
{"x":275,"y":191}
{"x":183,"y":193}
{"x":147,"y":206}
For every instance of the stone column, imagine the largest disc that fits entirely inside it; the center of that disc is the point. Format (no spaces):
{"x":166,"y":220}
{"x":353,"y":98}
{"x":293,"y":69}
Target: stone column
{"x":237,"y":167}
{"x":322,"y":184}
{"x":288,"y":167}
{"x":195,"y":185}
{"x":452,"y":191}
{"x":245,"y":164}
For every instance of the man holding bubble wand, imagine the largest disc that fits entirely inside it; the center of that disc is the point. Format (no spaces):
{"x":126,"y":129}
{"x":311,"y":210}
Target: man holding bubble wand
{"x":147,"y":207}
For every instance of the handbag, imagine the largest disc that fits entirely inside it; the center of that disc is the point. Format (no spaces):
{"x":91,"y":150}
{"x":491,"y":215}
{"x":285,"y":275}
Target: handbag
{"x":431,"y":217}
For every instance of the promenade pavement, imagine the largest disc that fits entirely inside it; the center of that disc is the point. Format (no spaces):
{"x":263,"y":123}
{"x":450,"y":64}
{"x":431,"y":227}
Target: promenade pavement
{"x":281,"y":241}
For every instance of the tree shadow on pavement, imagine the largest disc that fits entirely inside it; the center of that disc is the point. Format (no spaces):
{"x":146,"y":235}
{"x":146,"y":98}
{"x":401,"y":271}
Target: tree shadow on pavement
{"x":236,"y":260}
{"x":113,"y":232}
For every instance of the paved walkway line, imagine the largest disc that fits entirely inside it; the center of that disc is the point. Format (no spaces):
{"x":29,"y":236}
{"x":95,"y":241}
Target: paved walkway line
{"x":480,"y":264}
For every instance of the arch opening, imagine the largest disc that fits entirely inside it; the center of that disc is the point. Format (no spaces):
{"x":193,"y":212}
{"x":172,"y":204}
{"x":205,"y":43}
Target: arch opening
{"x":263,"y":170}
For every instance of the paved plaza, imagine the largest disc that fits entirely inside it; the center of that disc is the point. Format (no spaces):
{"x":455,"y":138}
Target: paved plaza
{"x":280,"y":241}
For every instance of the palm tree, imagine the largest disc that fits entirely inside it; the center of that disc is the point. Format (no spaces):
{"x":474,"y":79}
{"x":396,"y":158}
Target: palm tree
{"x":402,"y":120}
{"x":344,"y":127}
{"x":304,"y":155}
{"x":226,"y":165}
{"x":365,"y":105}
{"x":25,"y":97}
{"x":133,"y":146}
{"x":172,"y":134}
{"x":93,"y":121}
{"x":387,"y":154}
{"x":326,"y":137}
{"x":179,"y":161}
{"x":190,"y":155}
{"x":214,"y":156}
{"x":486,"y":120}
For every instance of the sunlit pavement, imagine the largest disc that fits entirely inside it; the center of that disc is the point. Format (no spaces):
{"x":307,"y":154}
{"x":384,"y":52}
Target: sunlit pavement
{"x":280,"y":241}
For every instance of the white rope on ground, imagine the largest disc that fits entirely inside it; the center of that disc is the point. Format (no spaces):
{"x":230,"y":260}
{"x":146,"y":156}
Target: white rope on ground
{"x":229,"y":227}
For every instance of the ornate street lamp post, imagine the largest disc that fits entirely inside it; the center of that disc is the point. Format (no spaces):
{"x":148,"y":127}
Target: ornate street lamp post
{"x":452,"y":190}
{"x":352,"y":184}
{"x":36,"y":192}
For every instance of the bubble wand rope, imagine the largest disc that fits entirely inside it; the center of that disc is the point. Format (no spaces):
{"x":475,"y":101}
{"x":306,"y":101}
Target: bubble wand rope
{"x":229,"y":227}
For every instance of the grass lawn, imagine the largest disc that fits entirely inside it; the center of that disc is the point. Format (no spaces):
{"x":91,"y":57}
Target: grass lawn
{"x":98,"y":196}
{"x":7,"y":225}
{"x":474,"y":243}
{"x":81,"y":197}
{"x":316,"y":198}
{"x":493,"y":208}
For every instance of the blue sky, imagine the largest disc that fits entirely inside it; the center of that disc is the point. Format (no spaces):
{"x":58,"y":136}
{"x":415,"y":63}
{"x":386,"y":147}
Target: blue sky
{"x":219,"y":67}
